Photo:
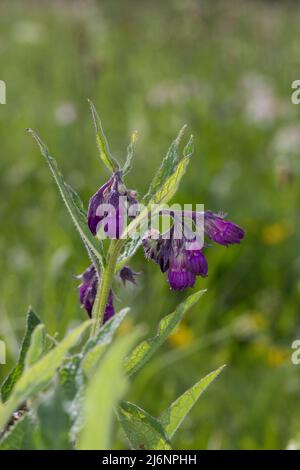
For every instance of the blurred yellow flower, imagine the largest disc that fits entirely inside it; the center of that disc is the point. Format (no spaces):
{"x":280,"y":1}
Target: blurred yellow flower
{"x":272,"y":354}
{"x":276,"y":356}
{"x":277,"y":232}
{"x":182,"y":337}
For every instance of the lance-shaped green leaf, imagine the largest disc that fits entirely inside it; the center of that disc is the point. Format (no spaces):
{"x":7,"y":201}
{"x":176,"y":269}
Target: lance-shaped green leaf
{"x":37,"y":345}
{"x":93,"y":245}
{"x":173,"y":416}
{"x":130,"y":152}
{"x":103,"y":393}
{"x":31,"y":323}
{"x":166,"y":169}
{"x":142,"y":430}
{"x":103,"y":147}
{"x":36,"y":377}
{"x":145,"y":350}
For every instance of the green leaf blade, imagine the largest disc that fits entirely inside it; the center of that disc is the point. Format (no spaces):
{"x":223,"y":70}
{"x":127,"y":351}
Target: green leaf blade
{"x":145,"y":350}
{"x":37,"y":345}
{"x":173,"y":416}
{"x":130,"y":153}
{"x":103,"y":147}
{"x":110,"y":383}
{"x":40,"y":373}
{"x":93,"y":245}
{"x":143,"y":431}
{"x":166,"y":169}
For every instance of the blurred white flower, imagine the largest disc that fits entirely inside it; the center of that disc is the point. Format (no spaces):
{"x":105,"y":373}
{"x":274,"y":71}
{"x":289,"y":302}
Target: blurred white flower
{"x":261,"y":103}
{"x":223,"y":182}
{"x":287,"y":139}
{"x":285,"y":151}
{"x":177,"y":91}
{"x":294,"y":444}
{"x":65,"y":113}
{"x":28,"y":32}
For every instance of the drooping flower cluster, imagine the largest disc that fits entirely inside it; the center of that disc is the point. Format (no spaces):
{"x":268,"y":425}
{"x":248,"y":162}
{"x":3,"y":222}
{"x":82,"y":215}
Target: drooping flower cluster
{"x":183,"y":259}
{"x":110,"y":204}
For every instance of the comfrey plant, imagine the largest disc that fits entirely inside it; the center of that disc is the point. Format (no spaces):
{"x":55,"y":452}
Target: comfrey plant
{"x":60,"y":396}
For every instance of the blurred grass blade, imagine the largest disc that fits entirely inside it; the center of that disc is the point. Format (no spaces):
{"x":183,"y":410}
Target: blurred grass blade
{"x":130,"y":152}
{"x":145,"y":350}
{"x":31,"y":323}
{"x":143,"y":431}
{"x":173,"y":416}
{"x":93,"y":245}
{"x":39,"y":374}
{"x":102,"y":143}
{"x":103,"y":393}
{"x":37,"y":345}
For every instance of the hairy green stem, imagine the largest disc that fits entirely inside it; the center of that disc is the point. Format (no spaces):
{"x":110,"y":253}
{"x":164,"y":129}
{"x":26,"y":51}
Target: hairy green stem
{"x":105,"y":285}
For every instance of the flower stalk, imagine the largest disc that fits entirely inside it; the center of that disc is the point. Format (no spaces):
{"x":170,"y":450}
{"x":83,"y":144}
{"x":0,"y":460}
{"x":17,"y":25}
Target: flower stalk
{"x":105,"y":284}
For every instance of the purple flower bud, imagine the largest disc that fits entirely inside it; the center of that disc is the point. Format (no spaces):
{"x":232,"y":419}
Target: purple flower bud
{"x":109,"y":309}
{"x":110,"y":202}
{"x":198,"y":263}
{"x":99,"y":198}
{"x":88,"y":292}
{"x":222,"y":231}
{"x":179,"y":275}
{"x":88,"y":288}
{"x":127,"y":275}
{"x":196,"y":259}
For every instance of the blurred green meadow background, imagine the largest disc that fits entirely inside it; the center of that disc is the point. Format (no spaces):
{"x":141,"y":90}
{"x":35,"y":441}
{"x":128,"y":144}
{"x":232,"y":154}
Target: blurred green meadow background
{"x":225,"y":68}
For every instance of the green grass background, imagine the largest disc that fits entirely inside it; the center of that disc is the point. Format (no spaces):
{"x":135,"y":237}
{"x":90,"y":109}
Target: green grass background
{"x":225,"y":68}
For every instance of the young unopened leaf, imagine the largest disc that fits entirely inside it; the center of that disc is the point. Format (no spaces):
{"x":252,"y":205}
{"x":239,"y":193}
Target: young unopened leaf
{"x":36,"y":377}
{"x":142,"y":430}
{"x":173,"y":416}
{"x":145,"y":350}
{"x":31,"y":323}
{"x":103,"y":393}
{"x":102,"y":143}
{"x":93,"y":245}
